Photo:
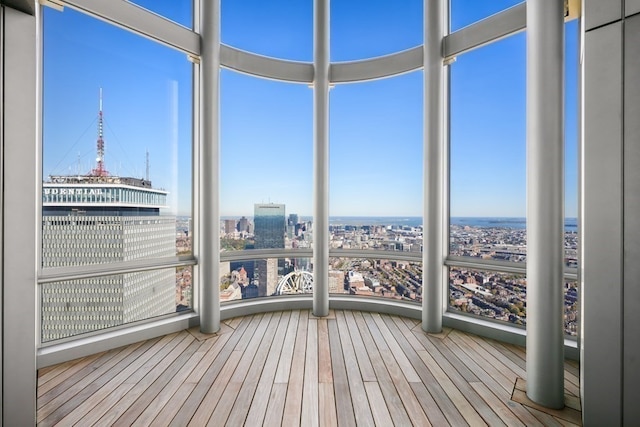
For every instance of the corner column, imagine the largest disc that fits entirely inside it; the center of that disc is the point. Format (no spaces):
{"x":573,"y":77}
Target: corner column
{"x":545,"y":202}
{"x":321,"y":158}
{"x":209,"y":167}
{"x":433,"y":254}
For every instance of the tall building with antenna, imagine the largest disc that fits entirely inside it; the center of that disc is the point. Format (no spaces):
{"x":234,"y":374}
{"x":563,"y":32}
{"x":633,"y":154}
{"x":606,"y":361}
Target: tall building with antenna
{"x":98,"y":218}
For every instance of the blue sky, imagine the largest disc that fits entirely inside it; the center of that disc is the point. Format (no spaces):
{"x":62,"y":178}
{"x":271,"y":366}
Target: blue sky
{"x":146,"y":103}
{"x":266,"y":126}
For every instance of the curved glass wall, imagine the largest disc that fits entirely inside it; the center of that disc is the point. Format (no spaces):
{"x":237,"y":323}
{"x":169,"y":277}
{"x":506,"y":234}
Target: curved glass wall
{"x":266,"y":154}
{"x":362,"y":29}
{"x":278,"y":28}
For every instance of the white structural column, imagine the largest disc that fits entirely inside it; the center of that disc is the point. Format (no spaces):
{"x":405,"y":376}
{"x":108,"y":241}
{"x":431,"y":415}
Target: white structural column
{"x":20,"y":161}
{"x":209,"y":193}
{"x":545,"y":202}
{"x":434,"y":154}
{"x":321,"y":159}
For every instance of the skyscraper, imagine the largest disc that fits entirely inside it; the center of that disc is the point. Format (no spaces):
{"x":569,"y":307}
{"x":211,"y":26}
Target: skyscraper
{"x":270,"y":227}
{"x":243,"y":225}
{"x":291,"y":225}
{"x":229,"y":226}
{"x":98,"y":218}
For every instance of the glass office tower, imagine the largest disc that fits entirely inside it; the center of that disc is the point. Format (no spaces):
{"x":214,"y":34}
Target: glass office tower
{"x":270,"y":228}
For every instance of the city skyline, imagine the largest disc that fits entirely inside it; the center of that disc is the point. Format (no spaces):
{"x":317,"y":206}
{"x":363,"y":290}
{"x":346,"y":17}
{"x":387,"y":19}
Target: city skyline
{"x":267,"y":127}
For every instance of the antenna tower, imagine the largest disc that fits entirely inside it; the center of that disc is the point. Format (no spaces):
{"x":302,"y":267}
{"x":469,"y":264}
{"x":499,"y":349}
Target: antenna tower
{"x":100,"y":169}
{"x":147,"y":175}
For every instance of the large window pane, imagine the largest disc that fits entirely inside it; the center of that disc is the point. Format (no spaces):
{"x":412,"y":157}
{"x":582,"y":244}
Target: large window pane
{"x":487,"y":152}
{"x":384,"y":278}
{"x":255,"y":278}
{"x":266,"y":164}
{"x":117,"y":153}
{"x":376,"y":164}
{"x":500,"y":296}
{"x":117,"y":140}
{"x":466,"y":12}
{"x":571,"y":67}
{"x":277,"y":28}
{"x":74,"y":307}
{"x":503,"y":296}
{"x":488,"y":144}
{"x":367,"y":28}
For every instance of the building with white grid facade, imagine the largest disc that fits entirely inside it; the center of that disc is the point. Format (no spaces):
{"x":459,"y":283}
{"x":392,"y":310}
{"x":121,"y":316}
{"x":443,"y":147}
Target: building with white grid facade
{"x":101,"y":220}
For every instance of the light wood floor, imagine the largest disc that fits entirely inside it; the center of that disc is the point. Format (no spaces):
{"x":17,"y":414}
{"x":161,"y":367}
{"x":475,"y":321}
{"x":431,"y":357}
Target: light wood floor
{"x":290,"y":368}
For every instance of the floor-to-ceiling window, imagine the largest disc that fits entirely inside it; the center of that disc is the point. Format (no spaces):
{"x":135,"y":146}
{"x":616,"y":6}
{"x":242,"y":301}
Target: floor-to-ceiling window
{"x":487,"y":179}
{"x":266,"y":184}
{"x":112,"y":112}
{"x":375,"y":202}
{"x":116,"y":177}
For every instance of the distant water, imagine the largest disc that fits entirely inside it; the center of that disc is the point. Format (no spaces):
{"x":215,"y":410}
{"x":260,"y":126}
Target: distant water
{"x":570,"y":224}
{"x":410,"y":221}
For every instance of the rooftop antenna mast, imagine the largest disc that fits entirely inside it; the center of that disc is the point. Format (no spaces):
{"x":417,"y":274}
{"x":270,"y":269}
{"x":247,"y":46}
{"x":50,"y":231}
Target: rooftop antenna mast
{"x":100,"y":170}
{"x":147,"y":174}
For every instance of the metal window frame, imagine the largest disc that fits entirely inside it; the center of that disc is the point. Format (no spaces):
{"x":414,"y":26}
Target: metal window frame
{"x":1,"y":209}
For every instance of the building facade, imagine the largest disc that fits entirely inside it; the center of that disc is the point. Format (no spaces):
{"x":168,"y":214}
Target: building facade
{"x":269,"y":231}
{"x":104,"y":219}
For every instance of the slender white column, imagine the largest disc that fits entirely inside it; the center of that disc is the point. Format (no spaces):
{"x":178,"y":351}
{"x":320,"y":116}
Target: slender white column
{"x":21,"y":177}
{"x":545,"y":202}
{"x":209,"y":193}
{"x":434,"y":145}
{"x":321,"y":159}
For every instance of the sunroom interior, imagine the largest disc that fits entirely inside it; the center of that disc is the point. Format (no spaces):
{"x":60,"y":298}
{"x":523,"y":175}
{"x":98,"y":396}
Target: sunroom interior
{"x":497,"y":135}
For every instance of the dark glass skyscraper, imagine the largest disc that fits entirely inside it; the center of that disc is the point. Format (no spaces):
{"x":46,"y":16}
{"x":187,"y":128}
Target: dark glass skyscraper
{"x":269,"y":226}
{"x":269,"y":231}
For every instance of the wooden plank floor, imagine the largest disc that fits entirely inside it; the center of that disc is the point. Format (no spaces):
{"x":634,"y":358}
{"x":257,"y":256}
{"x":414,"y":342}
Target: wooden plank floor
{"x":290,"y":368}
